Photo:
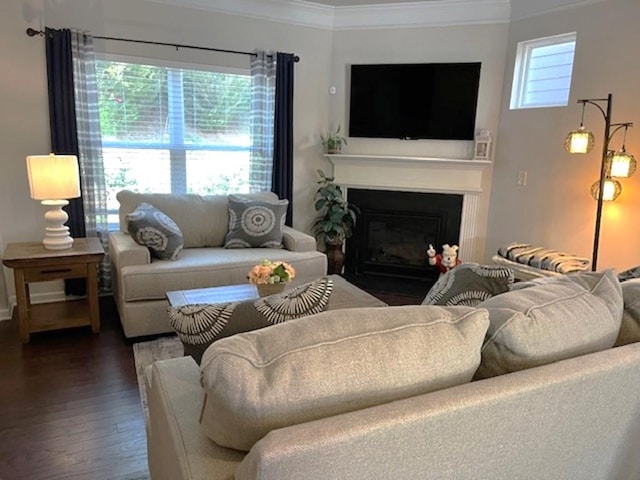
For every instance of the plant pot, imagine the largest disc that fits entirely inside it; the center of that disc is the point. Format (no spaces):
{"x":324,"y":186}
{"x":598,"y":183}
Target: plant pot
{"x":335,"y":259}
{"x":264,"y":290}
{"x":334,"y":147}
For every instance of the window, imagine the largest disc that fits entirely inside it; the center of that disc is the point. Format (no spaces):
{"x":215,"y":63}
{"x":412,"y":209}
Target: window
{"x":167,"y":129}
{"x":542,"y":74}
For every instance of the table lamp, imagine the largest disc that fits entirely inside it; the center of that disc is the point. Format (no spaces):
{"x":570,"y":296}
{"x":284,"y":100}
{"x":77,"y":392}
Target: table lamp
{"x":53,"y":179}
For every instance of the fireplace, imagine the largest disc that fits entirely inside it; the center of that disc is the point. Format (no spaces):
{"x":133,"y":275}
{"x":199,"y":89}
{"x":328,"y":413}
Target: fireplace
{"x":459,"y":177}
{"x":393,"y":233}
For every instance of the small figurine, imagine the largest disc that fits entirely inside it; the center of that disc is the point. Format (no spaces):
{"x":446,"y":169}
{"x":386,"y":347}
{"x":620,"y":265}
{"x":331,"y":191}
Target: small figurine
{"x":447,"y":260}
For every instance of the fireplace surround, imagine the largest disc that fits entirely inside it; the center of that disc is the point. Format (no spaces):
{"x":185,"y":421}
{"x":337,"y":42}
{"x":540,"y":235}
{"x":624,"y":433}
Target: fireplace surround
{"x":460,"y":178}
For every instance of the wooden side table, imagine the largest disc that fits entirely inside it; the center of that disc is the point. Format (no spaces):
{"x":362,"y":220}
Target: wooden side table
{"x":31,"y":262}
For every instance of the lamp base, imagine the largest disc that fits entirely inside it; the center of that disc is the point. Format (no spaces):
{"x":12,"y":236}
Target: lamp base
{"x":57,"y":233}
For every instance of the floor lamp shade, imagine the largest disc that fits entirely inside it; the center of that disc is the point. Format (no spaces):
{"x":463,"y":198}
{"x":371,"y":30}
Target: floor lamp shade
{"x":53,"y":179}
{"x":579,"y":141}
{"x":623,"y":164}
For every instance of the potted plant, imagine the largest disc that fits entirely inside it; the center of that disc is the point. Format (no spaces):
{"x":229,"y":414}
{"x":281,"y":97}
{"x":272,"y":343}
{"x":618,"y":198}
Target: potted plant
{"x":336,"y":223}
{"x":333,"y":141}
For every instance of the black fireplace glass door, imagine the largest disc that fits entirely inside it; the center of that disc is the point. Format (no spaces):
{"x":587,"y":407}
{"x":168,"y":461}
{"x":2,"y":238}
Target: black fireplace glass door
{"x":397,"y":244}
{"x":394,"y":231}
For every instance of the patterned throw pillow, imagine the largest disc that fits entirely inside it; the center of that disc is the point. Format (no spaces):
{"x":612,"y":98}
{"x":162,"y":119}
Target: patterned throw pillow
{"x":155,"y":230}
{"x":255,"y":223}
{"x":468,"y":284}
{"x":629,"y":274}
{"x":198,"y":326}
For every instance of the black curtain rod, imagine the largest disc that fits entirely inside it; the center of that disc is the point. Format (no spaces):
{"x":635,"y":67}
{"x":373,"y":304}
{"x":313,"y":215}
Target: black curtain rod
{"x":32,"y":33}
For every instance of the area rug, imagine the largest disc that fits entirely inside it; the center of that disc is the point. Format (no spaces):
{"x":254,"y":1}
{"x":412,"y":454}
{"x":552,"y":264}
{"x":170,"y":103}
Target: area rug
{"x":145,"y":353}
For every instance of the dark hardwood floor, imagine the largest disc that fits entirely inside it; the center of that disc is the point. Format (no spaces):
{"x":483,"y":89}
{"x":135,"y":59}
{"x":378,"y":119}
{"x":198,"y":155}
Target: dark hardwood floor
{"x":69,"y":403}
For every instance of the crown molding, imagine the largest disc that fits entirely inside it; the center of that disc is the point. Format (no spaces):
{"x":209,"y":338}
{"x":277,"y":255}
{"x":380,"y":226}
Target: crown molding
{"x":422,"y":14}
{"x":523,"y":9}
{"x":293,"y":12}
{"x":396,"y":15}
{"x":430,"y":13}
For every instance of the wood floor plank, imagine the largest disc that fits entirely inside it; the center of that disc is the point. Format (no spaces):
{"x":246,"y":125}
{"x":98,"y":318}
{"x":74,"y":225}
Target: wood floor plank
{"x":69,"y":405}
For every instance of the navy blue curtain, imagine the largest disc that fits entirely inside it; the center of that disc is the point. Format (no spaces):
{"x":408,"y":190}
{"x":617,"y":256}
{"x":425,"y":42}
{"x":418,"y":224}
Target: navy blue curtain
{"x":62,"y":122}
{"x":282,"y":178}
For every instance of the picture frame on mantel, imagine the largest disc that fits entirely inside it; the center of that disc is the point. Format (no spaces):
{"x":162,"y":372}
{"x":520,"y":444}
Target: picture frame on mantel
{"x":482,"y":145}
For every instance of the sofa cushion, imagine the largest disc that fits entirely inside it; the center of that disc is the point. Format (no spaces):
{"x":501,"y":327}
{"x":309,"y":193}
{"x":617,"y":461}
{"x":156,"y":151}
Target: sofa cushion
{"x":468,"y":284}
{"x":155,"y":230}
{"x":551,"y":319}
{"x":334,"y":362}
{"x":203,"y":219}
{"x":630,"y":328}
{"x":255,"y":223}
{"x":210,"y":267}
{"x":198,"y":326}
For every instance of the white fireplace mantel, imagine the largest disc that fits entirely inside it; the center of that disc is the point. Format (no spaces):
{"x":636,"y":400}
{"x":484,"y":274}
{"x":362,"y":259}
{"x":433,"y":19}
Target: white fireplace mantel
{"x":421,"y":174}
{"x":425,"y":174}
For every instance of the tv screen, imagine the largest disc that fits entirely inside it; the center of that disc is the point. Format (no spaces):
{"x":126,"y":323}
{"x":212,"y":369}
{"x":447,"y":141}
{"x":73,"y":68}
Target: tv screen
{"x":414,"y":101}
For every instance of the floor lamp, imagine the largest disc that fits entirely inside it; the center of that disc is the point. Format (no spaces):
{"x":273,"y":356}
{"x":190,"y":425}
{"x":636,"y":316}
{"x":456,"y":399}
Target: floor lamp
{"x":613,"y":164}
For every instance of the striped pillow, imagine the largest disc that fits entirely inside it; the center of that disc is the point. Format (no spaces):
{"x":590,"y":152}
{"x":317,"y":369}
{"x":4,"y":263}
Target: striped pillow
{"x":199,"y":325}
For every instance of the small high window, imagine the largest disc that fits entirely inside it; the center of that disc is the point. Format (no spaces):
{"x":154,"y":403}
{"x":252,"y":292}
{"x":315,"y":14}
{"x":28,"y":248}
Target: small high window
{"x":542,"y":73}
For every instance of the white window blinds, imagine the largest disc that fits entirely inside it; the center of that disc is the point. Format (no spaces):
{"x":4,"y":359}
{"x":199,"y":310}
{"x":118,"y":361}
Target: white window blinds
{"x":542,"y":73}
{"x":167,"y":129}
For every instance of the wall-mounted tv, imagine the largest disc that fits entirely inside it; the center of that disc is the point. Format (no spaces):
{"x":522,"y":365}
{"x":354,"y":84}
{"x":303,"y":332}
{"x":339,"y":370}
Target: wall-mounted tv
{"x":414,"y":101}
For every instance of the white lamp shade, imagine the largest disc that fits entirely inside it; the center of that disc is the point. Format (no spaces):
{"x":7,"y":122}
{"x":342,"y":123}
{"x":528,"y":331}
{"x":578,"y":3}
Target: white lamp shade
{"x":53,"y":177}
{"x":623,"y":164}
{"x":579,"y":141}
{"x":612,"y":189}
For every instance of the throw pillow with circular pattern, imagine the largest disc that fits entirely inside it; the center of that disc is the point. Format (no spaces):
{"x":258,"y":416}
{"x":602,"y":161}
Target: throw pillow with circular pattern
{"x":255,"y":223}
{"x":469,"y":284}
{"x":155,"y":230}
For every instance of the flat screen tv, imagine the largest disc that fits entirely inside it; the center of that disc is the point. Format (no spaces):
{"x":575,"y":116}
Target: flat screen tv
{"x":414,"y":101}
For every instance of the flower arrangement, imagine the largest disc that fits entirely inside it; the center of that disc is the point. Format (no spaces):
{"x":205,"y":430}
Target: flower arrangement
{"x":270,"y":272}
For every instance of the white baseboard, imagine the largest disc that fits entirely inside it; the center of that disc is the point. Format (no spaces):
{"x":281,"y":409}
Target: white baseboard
{"x":5,"y":314}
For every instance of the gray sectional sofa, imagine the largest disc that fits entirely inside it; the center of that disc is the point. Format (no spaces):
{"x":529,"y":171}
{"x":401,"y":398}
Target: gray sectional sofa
{"x":385,"y":393}
{"x":140,"y":282}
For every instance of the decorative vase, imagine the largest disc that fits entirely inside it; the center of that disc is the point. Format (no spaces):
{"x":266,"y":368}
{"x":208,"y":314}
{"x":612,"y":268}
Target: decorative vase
{"x":335,"y":259}
{"x":266,"y":289}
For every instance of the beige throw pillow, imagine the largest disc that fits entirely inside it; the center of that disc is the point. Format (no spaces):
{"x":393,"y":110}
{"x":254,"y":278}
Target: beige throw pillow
{"x":334,"y":362}
{"x":540,"y":322}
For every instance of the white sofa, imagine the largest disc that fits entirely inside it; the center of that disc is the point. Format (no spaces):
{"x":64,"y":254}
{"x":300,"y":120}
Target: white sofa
{"x":140,"y":282}
{"x":576,"y":418}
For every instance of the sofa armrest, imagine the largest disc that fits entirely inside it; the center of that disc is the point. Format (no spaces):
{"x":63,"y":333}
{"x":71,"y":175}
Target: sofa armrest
{"x":297,"y":241}
{"x":178,"y":449}
{"x":124,"y":251}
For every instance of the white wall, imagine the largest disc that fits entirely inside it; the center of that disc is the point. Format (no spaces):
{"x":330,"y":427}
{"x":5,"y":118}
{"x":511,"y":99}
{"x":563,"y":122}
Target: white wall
{"x":555,"y":209}
{"x":23,"y":93}
{"x":483,"y":43}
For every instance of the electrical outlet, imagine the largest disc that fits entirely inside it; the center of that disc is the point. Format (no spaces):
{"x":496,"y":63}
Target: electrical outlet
{"x":522,"y":178}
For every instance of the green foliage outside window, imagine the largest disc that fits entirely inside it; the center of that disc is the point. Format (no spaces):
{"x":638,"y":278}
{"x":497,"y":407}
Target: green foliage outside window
{"x":133,"y":103}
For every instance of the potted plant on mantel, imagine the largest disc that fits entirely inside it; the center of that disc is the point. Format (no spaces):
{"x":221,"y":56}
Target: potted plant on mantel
{"x":333,"y":141}
{"x":336,"y":223}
